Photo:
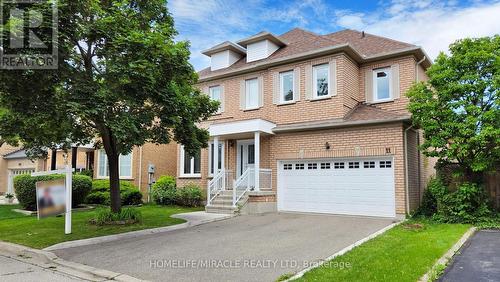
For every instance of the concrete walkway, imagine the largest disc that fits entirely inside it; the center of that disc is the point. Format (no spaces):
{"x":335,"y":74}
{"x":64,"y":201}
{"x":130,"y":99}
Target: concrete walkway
{"x":12,"y":270}
{"x":242,"y":248}
{"x":478,"y":260}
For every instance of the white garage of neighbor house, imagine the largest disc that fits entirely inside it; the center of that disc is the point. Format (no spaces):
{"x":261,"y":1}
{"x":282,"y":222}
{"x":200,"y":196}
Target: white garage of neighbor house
{"x":356,"y":186}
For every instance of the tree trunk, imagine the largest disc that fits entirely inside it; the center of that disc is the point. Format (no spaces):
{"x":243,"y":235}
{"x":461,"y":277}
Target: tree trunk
{"x":114,"y":181}
{"x":113,"y":166}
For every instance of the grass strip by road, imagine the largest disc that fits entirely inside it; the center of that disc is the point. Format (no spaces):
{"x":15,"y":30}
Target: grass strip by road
{"x":404,"y":253}
{"x":31,"y":232}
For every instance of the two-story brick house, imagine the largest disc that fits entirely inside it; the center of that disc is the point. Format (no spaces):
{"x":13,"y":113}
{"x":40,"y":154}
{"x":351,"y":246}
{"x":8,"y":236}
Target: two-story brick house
{"x":311,"y":123}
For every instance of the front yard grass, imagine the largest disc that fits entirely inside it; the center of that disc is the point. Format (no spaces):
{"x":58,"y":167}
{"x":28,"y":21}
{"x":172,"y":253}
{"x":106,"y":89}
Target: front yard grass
{"x":6,"y":212}
{"x":29,"y":231}
{"x":404,"y":253}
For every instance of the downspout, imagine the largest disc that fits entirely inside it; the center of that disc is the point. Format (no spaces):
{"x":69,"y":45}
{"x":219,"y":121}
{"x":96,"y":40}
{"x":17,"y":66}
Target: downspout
{"x":416,"y":68}
{"x":405,"y":141}
{"x":140,"y":168}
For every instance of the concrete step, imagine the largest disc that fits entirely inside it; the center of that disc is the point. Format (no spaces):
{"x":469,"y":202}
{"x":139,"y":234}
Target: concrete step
{"x":220,"y":209}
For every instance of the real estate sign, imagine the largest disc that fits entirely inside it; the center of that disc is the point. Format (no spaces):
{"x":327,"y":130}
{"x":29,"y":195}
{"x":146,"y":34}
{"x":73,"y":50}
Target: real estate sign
{"x":51,"y":197}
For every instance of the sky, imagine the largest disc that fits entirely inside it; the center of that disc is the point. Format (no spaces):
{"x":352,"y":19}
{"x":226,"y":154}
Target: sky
{"x":430,"y":24}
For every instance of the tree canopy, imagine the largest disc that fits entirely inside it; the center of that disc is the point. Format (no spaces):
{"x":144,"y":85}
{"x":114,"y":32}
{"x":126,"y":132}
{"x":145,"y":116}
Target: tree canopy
{"x":121,"y":79}
{"x":458,"y":108}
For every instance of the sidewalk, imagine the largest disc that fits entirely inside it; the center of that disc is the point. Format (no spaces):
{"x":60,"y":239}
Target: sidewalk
{"x":20,"y":263}
{"x":12,"y":270}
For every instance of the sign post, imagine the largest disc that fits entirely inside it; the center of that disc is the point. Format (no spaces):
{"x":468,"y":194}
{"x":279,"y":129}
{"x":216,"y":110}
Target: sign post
{"x":68,"y":171}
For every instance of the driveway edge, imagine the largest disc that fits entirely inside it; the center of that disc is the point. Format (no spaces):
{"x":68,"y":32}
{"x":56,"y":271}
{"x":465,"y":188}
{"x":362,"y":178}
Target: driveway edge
{"x":51,"y":262}
{"x":344,"y":250}
{"x":443,"y":261}
{"x":138,"y":233}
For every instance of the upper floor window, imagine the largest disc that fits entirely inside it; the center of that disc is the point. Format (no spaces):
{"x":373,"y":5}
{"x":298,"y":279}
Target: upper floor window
{"x":382,"y":84}
{"x":190,"y":165}
{"x":211,"y":157}
{"x":321,"y":81}
{"x":286,"y":87}
{"x":124,"y":165}
{"x":215,"y":93}
{"x":252,"y":93}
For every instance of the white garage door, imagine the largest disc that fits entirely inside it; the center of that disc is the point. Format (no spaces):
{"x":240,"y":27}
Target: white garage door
{"x":338,"y":186}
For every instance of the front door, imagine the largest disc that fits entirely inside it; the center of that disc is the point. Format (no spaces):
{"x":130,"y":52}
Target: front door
{"x":246,"y":156}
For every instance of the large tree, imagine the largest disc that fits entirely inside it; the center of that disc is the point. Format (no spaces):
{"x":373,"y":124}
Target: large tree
{"x":122,"y":79}
{"x":458,"y":108}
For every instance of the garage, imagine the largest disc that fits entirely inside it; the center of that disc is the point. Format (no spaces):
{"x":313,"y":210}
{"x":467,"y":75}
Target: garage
{"x":359,"y":186}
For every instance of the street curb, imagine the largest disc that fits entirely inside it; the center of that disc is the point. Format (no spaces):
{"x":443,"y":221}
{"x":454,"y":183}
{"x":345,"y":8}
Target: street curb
{"x":50,"y":261}
{"x":344,"y":250}
{"x":448,"y":255}
{"x":134,"y":234}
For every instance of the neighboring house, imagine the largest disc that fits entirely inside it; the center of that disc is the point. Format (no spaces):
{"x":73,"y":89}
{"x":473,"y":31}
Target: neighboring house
{"x":323,"y":120}
{"x":136,"y":166}
{"x":13,"y":161}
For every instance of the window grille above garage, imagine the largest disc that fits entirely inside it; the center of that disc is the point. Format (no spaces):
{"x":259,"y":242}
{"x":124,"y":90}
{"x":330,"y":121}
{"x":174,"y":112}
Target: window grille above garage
{"x":325,"y":165}
{"x":299,"y":166}
{"x":338,"y":165}
{"x":353,"y":164}
{"x":385,"y":164}
{"x":287,"y":166}
{"x":312,"y":166}
{"x":369,"y":164}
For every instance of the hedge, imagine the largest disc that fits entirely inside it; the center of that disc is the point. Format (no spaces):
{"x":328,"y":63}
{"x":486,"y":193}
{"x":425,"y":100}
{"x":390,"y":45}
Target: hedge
{"x":25,"y":188}
{"x":130,"y":194}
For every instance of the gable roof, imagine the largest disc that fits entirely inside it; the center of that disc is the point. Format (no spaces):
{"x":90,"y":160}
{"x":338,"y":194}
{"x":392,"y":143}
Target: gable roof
{"x":19,"y":154}
{"x":301,"y":44}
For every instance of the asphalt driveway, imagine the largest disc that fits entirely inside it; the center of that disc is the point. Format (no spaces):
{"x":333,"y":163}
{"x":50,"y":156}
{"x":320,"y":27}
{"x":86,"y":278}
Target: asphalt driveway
{"x":478,"y":260}
{"x":243,"y":248}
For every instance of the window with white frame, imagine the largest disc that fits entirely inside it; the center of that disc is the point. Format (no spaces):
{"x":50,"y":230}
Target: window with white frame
{"x":215,"y":93}
{"x":382,"y":84}
{"x":252,"y":93}
{"x":211,"y":157}
{"x":321,"y":81}
{"x":124,"y":165}
{"x":286,"y":87}
{"x":190,"y":165}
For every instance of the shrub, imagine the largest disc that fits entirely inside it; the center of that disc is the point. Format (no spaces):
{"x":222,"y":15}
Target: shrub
{"x":25,"y":188}
{"x":189,"y":196}
{"x":130,"y":194}
{"x":164,"y":191}
{"x":468,"y":204}
{"x":87,"y":172}
{"x":428,"y":207}
{"x":125,"y":216}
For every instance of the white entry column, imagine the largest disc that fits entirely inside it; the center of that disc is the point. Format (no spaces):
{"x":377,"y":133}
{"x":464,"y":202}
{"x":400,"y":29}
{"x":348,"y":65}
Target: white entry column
{"x":257,"y":160}
{"x":215,"y":160}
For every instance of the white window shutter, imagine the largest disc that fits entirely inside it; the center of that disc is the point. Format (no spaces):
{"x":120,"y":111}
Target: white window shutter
{"x":309,"y":83}
{"x":333,"y":77}
{"x":296,"y":84}
{"x":242,"y":95}
{"x":369,"y":86}
{"x":276,"y":87}
{"x":261,"y":91}
{"x":395,"y":81}
{"x":222,"y":98}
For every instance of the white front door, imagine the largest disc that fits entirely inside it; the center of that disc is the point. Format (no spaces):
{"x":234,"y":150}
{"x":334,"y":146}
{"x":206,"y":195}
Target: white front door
{"x":246,"y":156}
{"x":357,"y":186}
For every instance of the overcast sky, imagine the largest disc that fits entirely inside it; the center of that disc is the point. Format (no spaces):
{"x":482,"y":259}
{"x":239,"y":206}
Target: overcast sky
{"x":430,"y":24}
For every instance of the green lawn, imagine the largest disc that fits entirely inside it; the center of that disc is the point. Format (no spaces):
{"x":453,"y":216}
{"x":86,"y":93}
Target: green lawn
{"x":400,"y":254}
{"x":29,"y":231}
{"x":6,"y":212}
